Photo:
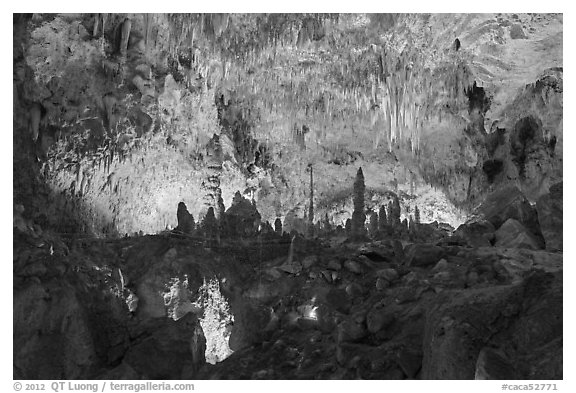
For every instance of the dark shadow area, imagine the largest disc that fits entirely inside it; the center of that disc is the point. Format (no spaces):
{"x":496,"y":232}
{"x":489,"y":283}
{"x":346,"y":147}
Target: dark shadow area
{"x":522,"y":139}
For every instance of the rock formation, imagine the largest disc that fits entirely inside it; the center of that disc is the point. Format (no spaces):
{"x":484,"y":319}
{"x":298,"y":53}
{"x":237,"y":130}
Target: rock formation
{"x":211,"y":185}
{"x":358,"y":216}
{"x":549,"y":208}
{"x":278,"y":226}
{"x":242,"y":217}
{"x":311,"y":204}
{"x":186,"y":223}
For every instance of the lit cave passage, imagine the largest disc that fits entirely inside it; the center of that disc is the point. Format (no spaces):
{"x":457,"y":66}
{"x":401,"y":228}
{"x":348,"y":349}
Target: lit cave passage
{"x":288,"y":196}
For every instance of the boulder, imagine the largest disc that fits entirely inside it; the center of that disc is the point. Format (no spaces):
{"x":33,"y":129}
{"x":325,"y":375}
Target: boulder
{"x":292,"y":268}
{"x":338,"y":299}
{"x":442,"y":277}
{"x":67,"y":328}
{"x":378,"y":253}
{"x":527,"y":318}
{"x":353,"y":266}
{"x":514,"y":264}
{"x":441,"y":266}
{"x":250,"y":321}
{"x":402,"y":295}
{"x":410,"y":278}
{"x":476,"y":233}
{"x":513,"y":234}
{"x":170,"y":350}
{"x":492,"y":364}
{"x":387,"y":274}
{"x":450,"y":347}
{"x":508,"y":202}
{"x":422,"y":254}
{"x":410,"y":361}
{"x":550,"y":211}
{"x":327,"y":275}
{"x":274,"y":273}
{"x":326,"y":320}
{"x":354,"y":290}
{"x":378,"y":318}
{"x":351,"y":331}
{"x":309,"y":261}
{"x":398,"y":249}
{"x":382,"y":283}
{"x":537,"y":331}
{"x":334,"y":265}
{"x":151,"y":303}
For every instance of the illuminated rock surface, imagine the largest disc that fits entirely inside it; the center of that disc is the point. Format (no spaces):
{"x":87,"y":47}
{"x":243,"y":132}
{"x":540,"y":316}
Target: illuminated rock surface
{"x":183,"y":184}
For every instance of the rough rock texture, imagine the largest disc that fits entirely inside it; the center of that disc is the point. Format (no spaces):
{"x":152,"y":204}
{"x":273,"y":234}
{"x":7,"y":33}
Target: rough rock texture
{"x":169,"y":351}
{"x":423,"y":254}
{"x":64,"y":312}
{"x":550,"y":216}
{"x":515,"y":235}
{"x":441,"y":306}
{"x":124,"y":310}
{"x":451,"y":353}
{"x":477,"y":233}
{"x":425,"y":325}
{"x":61,"y":323}
{"x":492,"y":364}
{"x":509,"y":202}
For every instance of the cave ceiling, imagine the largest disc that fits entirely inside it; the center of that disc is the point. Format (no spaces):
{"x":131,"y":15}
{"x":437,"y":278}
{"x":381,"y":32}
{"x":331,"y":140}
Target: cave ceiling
{"x":415,"y":99}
